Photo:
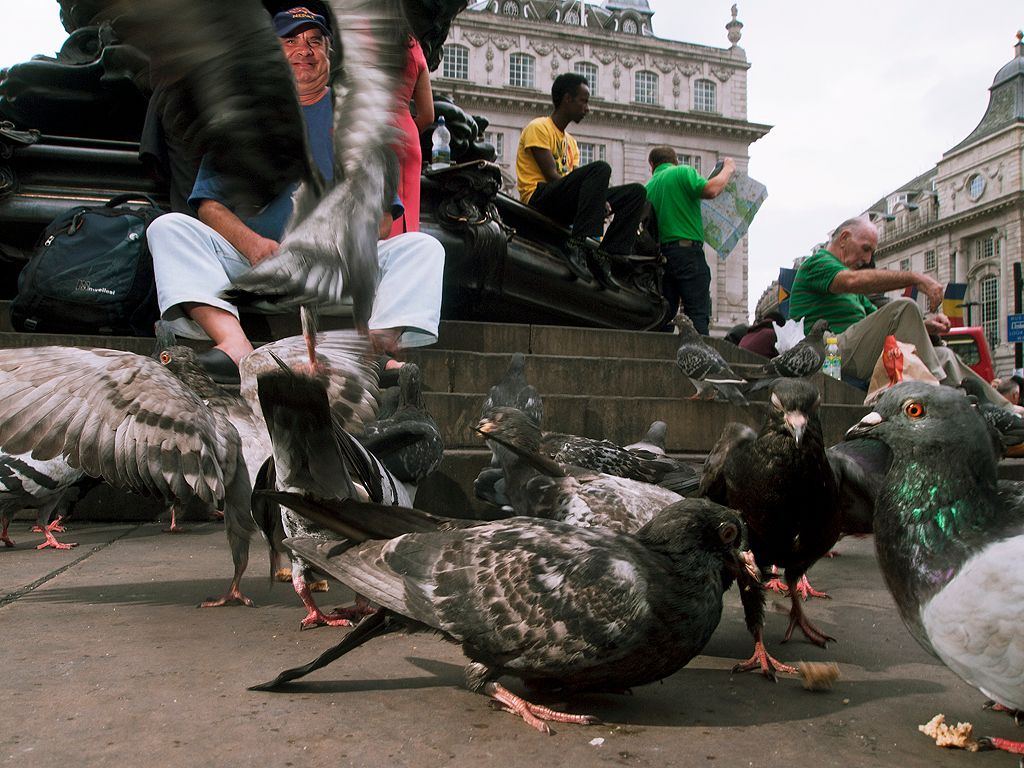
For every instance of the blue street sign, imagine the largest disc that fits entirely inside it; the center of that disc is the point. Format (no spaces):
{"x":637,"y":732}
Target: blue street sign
{"x":1015,"y":329}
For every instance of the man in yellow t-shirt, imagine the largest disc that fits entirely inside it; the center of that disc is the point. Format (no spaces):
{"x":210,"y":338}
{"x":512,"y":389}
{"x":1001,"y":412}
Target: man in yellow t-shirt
{"x":552,"y":181}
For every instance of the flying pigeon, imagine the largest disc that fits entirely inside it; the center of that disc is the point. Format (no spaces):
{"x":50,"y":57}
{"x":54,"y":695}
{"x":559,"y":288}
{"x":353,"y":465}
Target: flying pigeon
{"x":228,"y":82}
{"x":950,"y":538}
{"x":560,"y":607}
{"x":121,"y":417}
{"x":314,"y":455}
{"x":705,"y":367}
{"x":805,"y":358}
{"x":782,"y":483}
{"x":408,"y":442}
{"x":539,"y":486}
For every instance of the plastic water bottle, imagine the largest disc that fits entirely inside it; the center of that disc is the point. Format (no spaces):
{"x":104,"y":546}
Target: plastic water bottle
{"x":441,"y":153}
{"x":833,"y":365}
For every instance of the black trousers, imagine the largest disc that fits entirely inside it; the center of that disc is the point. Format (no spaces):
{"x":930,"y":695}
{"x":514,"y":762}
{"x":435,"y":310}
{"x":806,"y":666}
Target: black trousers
{"x":688,"y":278}
{"x":578,"y":200}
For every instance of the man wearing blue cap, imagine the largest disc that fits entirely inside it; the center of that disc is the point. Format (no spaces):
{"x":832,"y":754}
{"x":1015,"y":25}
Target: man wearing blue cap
{"x":194,"y":260}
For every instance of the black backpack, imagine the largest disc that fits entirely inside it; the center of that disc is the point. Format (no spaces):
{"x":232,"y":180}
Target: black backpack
{"x":91,"y":272}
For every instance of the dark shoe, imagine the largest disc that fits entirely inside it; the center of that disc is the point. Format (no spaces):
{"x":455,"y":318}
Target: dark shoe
{"x":221,"y":368}
{"x":601,"y":269}
{"x":576,"y":260}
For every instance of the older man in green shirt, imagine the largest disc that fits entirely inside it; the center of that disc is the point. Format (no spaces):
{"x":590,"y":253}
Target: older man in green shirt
{"x":675,"y":192}
{"x":831,"y":284}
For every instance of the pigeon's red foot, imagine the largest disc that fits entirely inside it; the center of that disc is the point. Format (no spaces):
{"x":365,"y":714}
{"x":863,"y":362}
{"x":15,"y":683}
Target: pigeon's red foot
{"x":798,"y":619}
{"x":833,"y":553}
{"x":533,"y":715}
{"x":764,"y":661}
{"x":233,"y":597}
{"x":805,"y":590}
{"x":54,"y":527}
{"x":775,"y":584}
{"x":317,"y":618}
{"x":52,"y":542}
{"x":6,"y":539}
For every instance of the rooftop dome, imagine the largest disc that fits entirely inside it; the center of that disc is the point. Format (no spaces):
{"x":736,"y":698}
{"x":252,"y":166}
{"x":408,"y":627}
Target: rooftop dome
{"x":1014,"y":66}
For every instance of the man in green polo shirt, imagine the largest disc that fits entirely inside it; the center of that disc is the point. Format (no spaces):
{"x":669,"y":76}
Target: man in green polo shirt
{"x":832,"y":285}
{"x":675,"y":192}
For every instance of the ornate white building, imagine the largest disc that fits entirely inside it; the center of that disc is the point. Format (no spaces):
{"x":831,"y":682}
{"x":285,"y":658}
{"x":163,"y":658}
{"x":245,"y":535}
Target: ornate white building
{"x":963,"y":220}
{"x":502,"y":56}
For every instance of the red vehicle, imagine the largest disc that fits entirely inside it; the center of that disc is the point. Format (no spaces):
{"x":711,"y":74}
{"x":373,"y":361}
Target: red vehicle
{"x":970,"y":345}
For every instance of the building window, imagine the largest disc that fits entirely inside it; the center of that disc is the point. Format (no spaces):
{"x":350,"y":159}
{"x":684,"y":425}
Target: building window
{"x":691,"y":160}
{"x":646,"y":90}
{"x":520,"y":70}
{"x":498,"y":140}
{"x":630,"y":27}
{"x":904,"y":265}
{"x":990,"y":310}
{"x":591,"y":152}
{"x":704,"y":96}
{"x":930,"y":261}
{"x":895,"y":200}
{"x":986,"y":248}
{"x":510,"y":8}
{"x":976,"y":186}
{"x":589,"y":71}
{"x":456,"y":62}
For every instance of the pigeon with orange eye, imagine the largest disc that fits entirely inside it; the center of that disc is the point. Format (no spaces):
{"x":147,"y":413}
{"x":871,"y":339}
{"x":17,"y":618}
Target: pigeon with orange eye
{"x":950,"y":538}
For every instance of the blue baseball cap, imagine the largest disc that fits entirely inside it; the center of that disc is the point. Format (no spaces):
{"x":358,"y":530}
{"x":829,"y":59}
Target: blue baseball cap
{"x":286,"y":22}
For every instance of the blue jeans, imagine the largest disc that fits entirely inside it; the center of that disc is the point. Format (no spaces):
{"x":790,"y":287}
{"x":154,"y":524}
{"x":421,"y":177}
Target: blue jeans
{"x":688,"y":279}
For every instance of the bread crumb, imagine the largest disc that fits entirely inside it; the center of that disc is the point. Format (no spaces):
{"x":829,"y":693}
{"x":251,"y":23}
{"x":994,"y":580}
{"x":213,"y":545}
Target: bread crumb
{"x":959,"y":736}
{"x":818,"y":675}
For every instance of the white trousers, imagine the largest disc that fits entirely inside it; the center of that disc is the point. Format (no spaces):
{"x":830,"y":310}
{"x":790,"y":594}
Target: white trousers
{"x":193,"y":263}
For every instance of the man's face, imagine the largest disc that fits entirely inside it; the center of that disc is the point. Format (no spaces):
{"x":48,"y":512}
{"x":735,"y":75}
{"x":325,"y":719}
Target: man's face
{"x":306,"y":51}
{"x":578,"y":104}
{"x":857,"y":246}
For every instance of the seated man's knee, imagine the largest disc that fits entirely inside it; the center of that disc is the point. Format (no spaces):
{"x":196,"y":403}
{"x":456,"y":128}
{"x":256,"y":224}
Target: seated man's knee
{"x":903,"y":304}
{"x":598,"y":168}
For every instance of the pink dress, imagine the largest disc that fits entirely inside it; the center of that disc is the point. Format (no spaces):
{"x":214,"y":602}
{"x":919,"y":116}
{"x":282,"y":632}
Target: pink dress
{"x":410,"y":156}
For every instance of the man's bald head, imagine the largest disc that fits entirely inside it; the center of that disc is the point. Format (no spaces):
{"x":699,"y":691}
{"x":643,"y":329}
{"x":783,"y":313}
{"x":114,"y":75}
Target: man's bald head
{"x":854,"y":242}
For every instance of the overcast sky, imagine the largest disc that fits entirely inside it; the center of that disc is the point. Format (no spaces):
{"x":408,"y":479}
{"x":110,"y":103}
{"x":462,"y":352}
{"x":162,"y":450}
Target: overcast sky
{"x":862,"y":96}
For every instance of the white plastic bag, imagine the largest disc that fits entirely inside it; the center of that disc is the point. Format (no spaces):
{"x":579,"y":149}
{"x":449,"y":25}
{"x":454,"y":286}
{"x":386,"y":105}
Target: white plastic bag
{"x":788,"y":335}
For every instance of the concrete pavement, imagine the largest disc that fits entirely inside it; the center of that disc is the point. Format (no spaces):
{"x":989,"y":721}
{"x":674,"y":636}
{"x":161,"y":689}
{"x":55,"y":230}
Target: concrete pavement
{"x":108,"y":661}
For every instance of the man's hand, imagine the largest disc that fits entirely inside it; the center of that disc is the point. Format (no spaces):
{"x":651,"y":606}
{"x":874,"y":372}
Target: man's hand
{"x":384,"y":232}
{"x":937,"y":324}
{"x":933,"y":290}
{"x":259,"y":248}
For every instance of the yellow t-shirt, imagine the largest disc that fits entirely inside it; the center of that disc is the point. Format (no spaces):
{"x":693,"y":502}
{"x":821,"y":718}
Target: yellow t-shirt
{"x":542,"y":132}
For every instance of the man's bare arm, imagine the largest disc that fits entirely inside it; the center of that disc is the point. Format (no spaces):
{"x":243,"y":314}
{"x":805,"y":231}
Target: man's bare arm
{"x":250,"y":244}
{"x":546,"y":162}
{"x":879,"y":280}
{"x":717,"y":183}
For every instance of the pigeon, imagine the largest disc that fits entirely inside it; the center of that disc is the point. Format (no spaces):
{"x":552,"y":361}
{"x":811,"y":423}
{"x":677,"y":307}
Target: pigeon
{"x":653,"y":442}
{"x":705,"y":367}
{"x":950,"y":538}
{"x":119,"y":416}
{"x":539,"y":486}
{"x":611,"y":459}
{"x":513,"y":391}
{"x":803,"y":359}
{"x":781,"y":481}
{"x":408,"y":442}
{"x":314,"y":454}
{"x":228,"y":81}
{"x":26,"y":483}
{"x":560,"y":607}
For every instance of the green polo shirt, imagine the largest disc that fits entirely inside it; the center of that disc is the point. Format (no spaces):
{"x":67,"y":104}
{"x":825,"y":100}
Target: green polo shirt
{"x":674,"y":192}
{"x":811,"y":299}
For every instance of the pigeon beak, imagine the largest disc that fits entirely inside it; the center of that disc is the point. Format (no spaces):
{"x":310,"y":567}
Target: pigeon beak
{"x":865,"y":425}
{"x":484,"y":427}
{"x":796,"y":423}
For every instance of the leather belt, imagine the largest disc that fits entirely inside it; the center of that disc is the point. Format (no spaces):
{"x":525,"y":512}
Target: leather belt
{"x":685,"y":243}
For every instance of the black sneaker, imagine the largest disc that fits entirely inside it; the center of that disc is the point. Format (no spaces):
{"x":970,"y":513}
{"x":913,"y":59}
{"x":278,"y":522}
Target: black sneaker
{"x":602,"y":270}
{"x":576,"y":260}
